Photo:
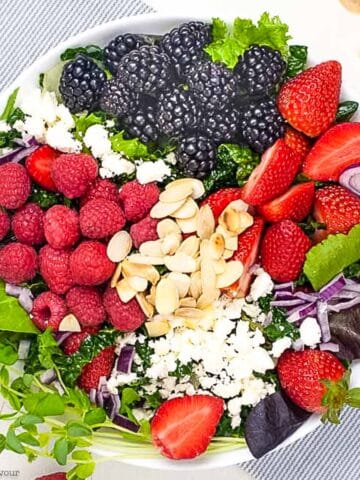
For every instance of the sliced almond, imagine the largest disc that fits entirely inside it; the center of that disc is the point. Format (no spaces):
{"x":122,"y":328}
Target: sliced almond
{"x":187,"y":210}
{"x":137,"y":283}
{"x":69,"y":324}
{"x":208,"y":277}
{"x":162,"y":209}
{"x":182,"y":282}
{"x":151,"y":248}
{"x":207,"y":322}
{"x":146,"y":271}
{"x":170,"y":243}
{"x":119,"y":246}
{"x":198,"y":189}
{"x":238,"y":205}
{"x":192,"y":323}
{"x":180,"y":262}
{"x":189,"y":302}
{"x":190,"y":246}
{"x":216,"y":246}
{"x":125,"y":292}
{"x":158,"y":327}
{"x":166,"y":297}
{"x":233,"y":272}
{"x":145,"y":306}
{"x":225,"y":233}
{"x":166,"y":227}
{"x":206,"y":300}
{"x":151,"y":296}
{"x":146,"y":260}
{"x":188,"y":312}
{"x":228,"y":254}
{"x":235,"y":221}
{"x":188,"y":225}
{"x":175,"y":192}
{"x":116,"y":276}
{"x":219,"y":266}
{"x":195,"y":285}
{"x":206,"y":222}
{"x":231,"y":243}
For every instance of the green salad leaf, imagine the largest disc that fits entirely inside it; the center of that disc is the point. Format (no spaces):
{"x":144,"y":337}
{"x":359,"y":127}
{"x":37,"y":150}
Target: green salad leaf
{"x":346,"y":110}
{"x":13,"y":317}
{"x":92,"y":51}
{"x":297,"y":59}
{"x":330,"y":257}
{"x":7,"y":138}
{"x":10,"y":105}
{"x":132,"y":148}
{"x":46,"y":199}
{"x":86,"y":120}
{"x":229,"y":43}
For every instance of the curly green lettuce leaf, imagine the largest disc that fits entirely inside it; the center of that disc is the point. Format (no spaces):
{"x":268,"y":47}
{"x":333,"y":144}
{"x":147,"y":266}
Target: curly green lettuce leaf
{"x":86,"y":120}
{"x":132,"y":148}
{"x":13,"y":317}
{"x":229,"y":43}
{"x":10,"y":105}
{"x":92,"y":51}
{"x":297,"y":60}
{"x":330,"y":257}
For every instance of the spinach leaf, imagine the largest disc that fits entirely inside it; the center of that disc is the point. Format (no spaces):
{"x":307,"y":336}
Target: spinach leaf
{"x":280,"y":327}
{"x":129,"y":397}
{"x":297,"y":60}
{"x":345,"y":331}
{"x":10,"y":105}
{"x":13,"y":317}
{"x":352,"y":271}
{"x":92,"y":51}
{"x":44,"y":404}
{"x":346,"y":110}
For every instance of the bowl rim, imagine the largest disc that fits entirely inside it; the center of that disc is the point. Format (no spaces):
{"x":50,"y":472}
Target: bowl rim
{"x":29,"y":76}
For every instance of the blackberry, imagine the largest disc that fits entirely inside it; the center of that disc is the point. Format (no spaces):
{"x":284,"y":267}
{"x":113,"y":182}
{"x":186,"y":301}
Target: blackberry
{"x":196,"y":156}
{"x":184,"y":44}
{"x":117,"y":99}
{"x":120,"y":46}
{"x":260,"y":69}
{"x":261,"y":124}
{"x":221,"y":126}
{"x":80,"y":84}
{"x":142,"y":122}
{"x":147,"y":70}
{"x":213,"y":84}
{"x":177,"y":112}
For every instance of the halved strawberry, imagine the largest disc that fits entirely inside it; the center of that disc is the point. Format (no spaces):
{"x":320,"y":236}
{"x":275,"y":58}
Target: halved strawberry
{"x":309,"y":101}
{"x":183,"y":427}
{"x":336,"y":150}
{"x":38,"y":166}
{"x":72,"y":343}
{"x":338,"y":208}
{"x":220,"y":199}
{"x":294,"y":205}
{"x":273,"y":176}
{"x":247,"y":252}
{"x":100,"y":366}
{"x":53,"y":476}
{"x":297,"y":141}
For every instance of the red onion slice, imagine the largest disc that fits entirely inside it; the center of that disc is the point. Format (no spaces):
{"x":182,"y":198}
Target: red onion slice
{"x":333,"y":288}
{"x":350,"y":179}
{"x":289,"y":286}
{"x":323,"y":320}
{"x":330,"y":347}
{"x":125,"y":360}
{"x":124,"y":422}
{"x":344,"y":305}
{"x":287,"y":303}
{"x":23,"y":350}
{"x":302,"y":312}
{"x":112,"y":406}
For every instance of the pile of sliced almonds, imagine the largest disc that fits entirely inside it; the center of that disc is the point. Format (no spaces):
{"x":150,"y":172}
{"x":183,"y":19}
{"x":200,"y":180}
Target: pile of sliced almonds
{"x":197,"y":267}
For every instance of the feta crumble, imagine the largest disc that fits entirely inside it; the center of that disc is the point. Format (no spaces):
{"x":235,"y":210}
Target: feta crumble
{"x":279,"y":346}
{"x":262,"y":285}
{"x":157,"y":171}
{"x":310,"y":332}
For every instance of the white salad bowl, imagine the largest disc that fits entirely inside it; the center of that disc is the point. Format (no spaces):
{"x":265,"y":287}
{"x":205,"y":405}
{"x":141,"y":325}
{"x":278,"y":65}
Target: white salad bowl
{"x":158,"y":24}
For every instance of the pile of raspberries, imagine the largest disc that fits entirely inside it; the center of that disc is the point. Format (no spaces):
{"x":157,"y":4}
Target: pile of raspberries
{"x":67,"y":246}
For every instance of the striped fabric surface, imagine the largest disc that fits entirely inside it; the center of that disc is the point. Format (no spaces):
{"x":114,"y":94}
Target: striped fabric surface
{"x":30,"y":28}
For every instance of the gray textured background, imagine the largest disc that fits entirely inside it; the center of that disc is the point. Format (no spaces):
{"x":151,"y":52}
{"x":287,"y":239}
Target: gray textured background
{"x":30,"y":28}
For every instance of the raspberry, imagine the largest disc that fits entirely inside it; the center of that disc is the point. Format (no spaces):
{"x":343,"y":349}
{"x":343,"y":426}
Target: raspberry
{"x":61,"y":226}
{"x":101,"y":188}
{"x":18,"y":263}
{"x":55,"y":269}
{"x":100,"y":218}
{"x":126,"y":317}
{"x":144,"y":231}
{"x":89,"y":264}
{"x":86,"y":304}
{"x":72,"y":343}
{"x":73,"y":173}
{"x":138,"y":199}
{"x":4,"y":224}
{"x":14,"y":185}
{"x":48,"y":311}
{"x":28,"y":224}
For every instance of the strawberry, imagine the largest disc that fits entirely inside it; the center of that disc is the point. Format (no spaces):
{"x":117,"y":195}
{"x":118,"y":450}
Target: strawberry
{"x":273,"y":176}
{"x":183,"y":427}
{"x":38,"y":166}
{"x":247,"y":253}
{"x":309,"y":101}
{"x":100,"y":366}
{"x":297,"y":141}
{"x":283,"y":251}
{"x":220,"y":199}
{"x":336,"y":150}
{"x":53,"y":476}
{"x":317,"y":381}
{"x":294,"y":205}
{"x":338,"y":208}
{"x":72,"y":343}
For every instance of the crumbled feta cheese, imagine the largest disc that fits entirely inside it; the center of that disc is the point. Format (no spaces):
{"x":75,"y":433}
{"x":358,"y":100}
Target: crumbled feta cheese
{"x":148,"y":172}
{"x":4,"y":127}
{"x":262,"y":285}
{"x":234,"y":406}
{"x":118,"y":379}
{"x":279,"y":346}
{"x":59,"y":138}
{"x":310,"y":332}
{"x":96,"y":138}
{"x":170,"y":158}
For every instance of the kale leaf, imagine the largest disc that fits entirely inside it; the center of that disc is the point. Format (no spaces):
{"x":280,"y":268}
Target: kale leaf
{"x":297,"y":59}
